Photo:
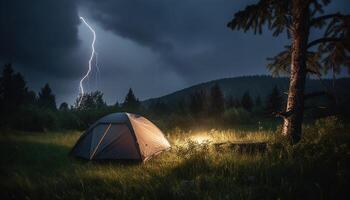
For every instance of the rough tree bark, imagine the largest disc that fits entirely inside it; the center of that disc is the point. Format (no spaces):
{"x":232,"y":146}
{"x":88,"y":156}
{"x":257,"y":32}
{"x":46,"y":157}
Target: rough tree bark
{"x":293,"y":117}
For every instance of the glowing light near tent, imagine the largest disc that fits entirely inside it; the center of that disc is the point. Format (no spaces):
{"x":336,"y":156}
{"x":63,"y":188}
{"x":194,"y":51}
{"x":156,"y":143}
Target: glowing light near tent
{"x":200,"y":139}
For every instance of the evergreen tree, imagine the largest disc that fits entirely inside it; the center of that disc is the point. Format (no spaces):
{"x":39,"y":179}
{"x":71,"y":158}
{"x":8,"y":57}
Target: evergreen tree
{"x":30,"y":98}
{"x":258,"y":102}
{"x":247,"y":102}
{"x":229,"y":102}
{"x":299,"y":18}
{"x":217,"y":100}
{"x":117,"y":105}
{"x":159,"y":108}
{"x":198,"y":103}
{"x":12,"y":90}
{"x":46,"y":99}
{"x":237,"y":102}
{"x":64,"y":107}
{"x":131,"y":103}
{"x":274,"y":101}
{"x":181,"y":108}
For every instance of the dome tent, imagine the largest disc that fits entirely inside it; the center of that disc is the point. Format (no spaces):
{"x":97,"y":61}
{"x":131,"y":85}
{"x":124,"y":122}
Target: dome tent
{"x":121,"y":136}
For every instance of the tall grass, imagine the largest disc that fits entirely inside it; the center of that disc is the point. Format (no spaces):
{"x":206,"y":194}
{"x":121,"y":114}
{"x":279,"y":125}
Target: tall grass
{"x":37,"y":166}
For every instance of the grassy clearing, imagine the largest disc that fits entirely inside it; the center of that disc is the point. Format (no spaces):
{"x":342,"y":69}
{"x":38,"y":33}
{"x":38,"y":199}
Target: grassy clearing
{"x":36,"y":166}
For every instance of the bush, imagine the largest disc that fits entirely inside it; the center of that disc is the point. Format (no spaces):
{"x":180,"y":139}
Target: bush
{"x":33,"y":118}
{"x":68,"y":120}
{"x":237,"y":116}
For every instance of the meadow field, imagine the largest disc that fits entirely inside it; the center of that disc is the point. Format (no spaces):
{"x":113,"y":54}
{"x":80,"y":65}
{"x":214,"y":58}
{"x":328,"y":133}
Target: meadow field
{"x":37,"y":166}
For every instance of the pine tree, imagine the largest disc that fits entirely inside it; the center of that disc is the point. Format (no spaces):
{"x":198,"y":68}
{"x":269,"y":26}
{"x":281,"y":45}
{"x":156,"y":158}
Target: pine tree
{"x":247,"y":102}
{"x":274,"y":101}
{"x":229,"y":102}
{"x":131,"y":103}
{"x":47,"y":100}
{"x":198,"y":103}
{"x":298,"y":18}
{"x":258,"y":102}
{"x":13,"y":90}
{"x":64,"y":107}
{"x":217,"y":100}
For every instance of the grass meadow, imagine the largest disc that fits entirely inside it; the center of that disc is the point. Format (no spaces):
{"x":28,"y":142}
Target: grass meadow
{"x":37,"y":166}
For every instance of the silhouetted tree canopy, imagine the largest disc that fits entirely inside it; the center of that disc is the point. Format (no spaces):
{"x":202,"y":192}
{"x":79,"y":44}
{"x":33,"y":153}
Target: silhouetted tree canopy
{"x":258,"y":102}
{"x":13,"y":90}
{"x":198,"y":105}
{"x":93,"y":100}
{"x":305,"y":55}
{"x":64,"y":107}
{"x":46,"y":98}
{"x":274,"y":101}
{"x":217,"y":100}
{"x":159,"y":108}
{"x":247,"y":102}
{"x":131,"y":103}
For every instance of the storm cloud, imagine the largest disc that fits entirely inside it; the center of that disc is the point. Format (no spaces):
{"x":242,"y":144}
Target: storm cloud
{"x":40,"y":34}
{"x":191,"y":36}
{"x":153,"y":46}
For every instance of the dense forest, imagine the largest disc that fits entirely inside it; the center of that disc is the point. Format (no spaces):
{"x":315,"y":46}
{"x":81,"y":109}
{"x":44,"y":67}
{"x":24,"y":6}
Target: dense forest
{"x":212,"y":105}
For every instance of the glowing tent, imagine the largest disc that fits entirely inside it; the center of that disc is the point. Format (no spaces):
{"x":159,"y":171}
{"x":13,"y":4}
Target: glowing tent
{"x":121,"y":136}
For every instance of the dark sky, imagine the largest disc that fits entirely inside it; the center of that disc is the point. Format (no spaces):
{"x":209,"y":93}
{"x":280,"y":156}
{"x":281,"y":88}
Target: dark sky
{"x":152,"y":46}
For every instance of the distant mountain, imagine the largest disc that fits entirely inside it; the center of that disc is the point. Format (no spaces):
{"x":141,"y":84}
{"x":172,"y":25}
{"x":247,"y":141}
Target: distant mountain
{"x":256,"y":85}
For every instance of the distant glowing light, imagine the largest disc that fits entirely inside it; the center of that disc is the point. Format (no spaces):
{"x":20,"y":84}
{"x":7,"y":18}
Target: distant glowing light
{"x":90,"y":60}
{"x":201,"y":139}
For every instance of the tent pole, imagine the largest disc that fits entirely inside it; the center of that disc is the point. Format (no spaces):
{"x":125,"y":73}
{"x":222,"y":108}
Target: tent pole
{"x":104,"y":134}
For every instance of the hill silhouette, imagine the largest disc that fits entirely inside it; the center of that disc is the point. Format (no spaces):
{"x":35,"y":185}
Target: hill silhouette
{"x":259,"y":85}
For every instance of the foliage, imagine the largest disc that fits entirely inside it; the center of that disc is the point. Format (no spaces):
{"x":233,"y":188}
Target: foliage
{"x":64,"y":107}
{"x":217,"y":101}
{"x":247,"y":102}
{"x":34,"y":118}
{"x":89,"y":101}
{"x":274,"y":102}
{"x":330,"y":52}
{"x":299,"y":19}
{"x":46,"y":99}
{"x":237,"y":116}
{"x":131,"y":103}
{"x":198,"y":105}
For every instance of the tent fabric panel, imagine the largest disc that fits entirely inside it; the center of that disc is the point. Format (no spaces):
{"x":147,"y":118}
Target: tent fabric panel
{"x":82,"y":148}
{"x":149,"y":138}
{"x":114,"y":118}
{"x":97,"y":134}
{"x":118,"y":144}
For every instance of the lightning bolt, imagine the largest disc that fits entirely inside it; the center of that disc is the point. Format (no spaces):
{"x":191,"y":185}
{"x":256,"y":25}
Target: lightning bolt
{"x":90,"y":60}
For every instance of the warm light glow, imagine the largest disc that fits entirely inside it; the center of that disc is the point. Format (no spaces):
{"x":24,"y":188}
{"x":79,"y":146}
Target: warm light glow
{"x":200,"y":139}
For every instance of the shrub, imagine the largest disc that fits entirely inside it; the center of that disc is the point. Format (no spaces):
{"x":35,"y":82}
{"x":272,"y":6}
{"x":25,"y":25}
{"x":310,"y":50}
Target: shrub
{"x":237,"y":116}
{"x":33,"y":118}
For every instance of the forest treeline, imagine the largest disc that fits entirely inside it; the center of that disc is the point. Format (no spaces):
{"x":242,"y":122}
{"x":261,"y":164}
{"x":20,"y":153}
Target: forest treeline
{"x":23,"y":109}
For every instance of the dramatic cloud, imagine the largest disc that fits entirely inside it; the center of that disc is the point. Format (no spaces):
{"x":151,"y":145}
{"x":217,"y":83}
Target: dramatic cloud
{"x":191,"y":36}
{"x":40,"y":34}
{"x":153,"y":46}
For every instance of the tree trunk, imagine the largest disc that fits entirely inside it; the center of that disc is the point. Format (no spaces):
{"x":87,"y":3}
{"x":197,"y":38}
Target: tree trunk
{"x":295,"y":105}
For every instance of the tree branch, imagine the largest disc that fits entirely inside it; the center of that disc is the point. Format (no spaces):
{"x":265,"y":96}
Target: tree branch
{"x":285,"y":114}
{"x":323,"y":40}
{"x":324,"y":17}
